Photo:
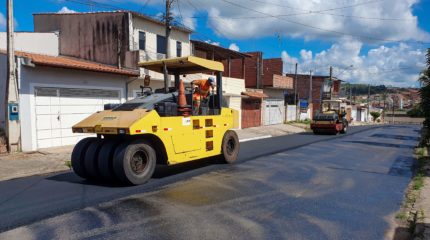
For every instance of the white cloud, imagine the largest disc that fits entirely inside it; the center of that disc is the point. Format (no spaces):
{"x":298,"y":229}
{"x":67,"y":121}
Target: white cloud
{"x":241,"y":19}
{"x":213,"y":43}
{"x":234,"y":47}
{"x":66,"y":10}
{"x":2,"y":22}
{"x":397,"y":65}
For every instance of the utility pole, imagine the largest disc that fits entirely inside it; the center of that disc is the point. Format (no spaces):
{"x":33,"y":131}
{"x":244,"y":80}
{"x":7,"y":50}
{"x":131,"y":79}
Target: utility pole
{"x":368,"y":101}
{"x":310,"y":104}
{"x":295,"y":86}
{"x":10,"y":86}
{"x":310,"y":86}
{"x":331,"y":79}
{"x":295,"y":93}
{"x":168,"y":28}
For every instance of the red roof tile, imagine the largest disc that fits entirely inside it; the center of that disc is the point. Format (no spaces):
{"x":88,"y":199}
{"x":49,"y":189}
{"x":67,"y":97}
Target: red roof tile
{"x":255,"y":94}
{"x":74,"y":63}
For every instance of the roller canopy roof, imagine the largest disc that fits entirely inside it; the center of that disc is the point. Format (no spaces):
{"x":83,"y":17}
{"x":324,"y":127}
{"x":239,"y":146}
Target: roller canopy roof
{"x":183,"y":65}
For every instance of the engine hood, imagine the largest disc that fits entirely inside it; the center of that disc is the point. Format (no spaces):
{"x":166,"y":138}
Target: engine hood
{"x":112,"y":119}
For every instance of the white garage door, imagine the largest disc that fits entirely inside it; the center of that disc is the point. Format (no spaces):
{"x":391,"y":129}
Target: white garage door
{"x":274,"y":112}
{"x":58,"y":109}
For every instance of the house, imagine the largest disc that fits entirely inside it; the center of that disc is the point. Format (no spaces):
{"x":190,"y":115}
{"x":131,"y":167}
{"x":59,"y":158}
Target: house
{"x":57,"y":91}
{"x":117,"y":38}
{"x":313,"y":94}
{"x":267,"y":75}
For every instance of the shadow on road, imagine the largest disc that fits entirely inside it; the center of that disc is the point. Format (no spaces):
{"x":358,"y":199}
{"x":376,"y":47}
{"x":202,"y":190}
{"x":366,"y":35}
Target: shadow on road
{"x":379,"y":144}
{"x":161,"y":171}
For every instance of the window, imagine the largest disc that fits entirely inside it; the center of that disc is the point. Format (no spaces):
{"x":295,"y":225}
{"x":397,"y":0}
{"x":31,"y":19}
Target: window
{"x":178,"y":49}
{"x":142,"y":40}
{"x":161,"y":44}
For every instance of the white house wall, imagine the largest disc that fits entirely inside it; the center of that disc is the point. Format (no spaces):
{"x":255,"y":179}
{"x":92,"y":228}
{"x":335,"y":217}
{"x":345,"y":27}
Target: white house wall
{"x":151,"y":30}
{"x":274,"y":93}
{"x":41,"y":43}
{"x":62,"y":78}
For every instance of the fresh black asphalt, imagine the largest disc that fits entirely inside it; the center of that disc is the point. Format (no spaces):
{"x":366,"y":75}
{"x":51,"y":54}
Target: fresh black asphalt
{"x":28,"y":200}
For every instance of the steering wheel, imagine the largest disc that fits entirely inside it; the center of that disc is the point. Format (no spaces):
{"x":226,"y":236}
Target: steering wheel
{"x":150,"y":88}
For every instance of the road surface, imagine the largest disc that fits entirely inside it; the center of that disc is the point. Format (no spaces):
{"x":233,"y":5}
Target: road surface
{"x":335,"y":188}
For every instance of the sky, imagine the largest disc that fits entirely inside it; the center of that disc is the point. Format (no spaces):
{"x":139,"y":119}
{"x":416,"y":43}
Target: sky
{"x":365,"y":41}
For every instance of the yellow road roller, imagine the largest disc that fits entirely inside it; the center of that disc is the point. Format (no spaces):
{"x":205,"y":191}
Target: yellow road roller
{"x":159,"y":127}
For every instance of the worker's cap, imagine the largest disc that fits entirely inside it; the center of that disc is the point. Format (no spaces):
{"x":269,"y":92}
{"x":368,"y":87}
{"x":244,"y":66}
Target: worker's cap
{"x":212,"y":81}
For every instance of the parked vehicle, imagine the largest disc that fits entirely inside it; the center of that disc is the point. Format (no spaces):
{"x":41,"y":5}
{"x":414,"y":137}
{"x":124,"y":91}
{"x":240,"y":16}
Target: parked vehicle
{"x":331,"y":119}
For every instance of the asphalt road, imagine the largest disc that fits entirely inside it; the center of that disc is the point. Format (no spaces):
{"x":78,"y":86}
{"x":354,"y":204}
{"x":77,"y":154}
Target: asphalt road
{"x":343,"y":188}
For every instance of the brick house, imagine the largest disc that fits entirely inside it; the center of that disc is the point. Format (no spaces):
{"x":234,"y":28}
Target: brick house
{"x":267,"y":75}
{"x":318,"y":91}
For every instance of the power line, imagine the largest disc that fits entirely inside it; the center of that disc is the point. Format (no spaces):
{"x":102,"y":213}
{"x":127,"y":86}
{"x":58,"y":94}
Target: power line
{"x":322,"y":10}
{"x":94,"y":3}
{"x":319,"y":28}
{"x":192,"y":5}
{"x":308,"y":14}
{"x":144,"y":5}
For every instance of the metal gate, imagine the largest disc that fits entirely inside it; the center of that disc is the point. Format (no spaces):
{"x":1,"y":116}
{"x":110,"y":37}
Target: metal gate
{"x":58,"y":109}
{"x":274,"y":112}
{"x":251,"y":112}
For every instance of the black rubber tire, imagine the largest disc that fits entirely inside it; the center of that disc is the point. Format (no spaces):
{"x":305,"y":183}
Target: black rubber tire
{"x":124,"y":157}
{"x":91,"y":159}
{"x":230,"y":147}
{"x":316,"y":132}
{"x":78,"y":156}
{"x":344,"y":129}
{"x":105,"y":160}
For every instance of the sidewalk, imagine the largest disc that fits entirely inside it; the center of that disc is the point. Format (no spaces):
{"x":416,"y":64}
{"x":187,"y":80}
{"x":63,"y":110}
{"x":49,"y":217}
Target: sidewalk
{"x":50,"y":160}
{"x":262,"y":132}
{"x":422,"y":205}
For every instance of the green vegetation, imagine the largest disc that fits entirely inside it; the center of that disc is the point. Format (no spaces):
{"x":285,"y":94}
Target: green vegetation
{"x":425,"y":98}
{"x":68,"y":164}
{"x":418,"y":181}
{"x":415,"y":112}
{"x":402,"y":216}
{"x":375,"y":115}
{"x":307,"y":121}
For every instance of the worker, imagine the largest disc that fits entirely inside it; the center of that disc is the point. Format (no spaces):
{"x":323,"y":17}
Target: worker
{"x":201,"y":93}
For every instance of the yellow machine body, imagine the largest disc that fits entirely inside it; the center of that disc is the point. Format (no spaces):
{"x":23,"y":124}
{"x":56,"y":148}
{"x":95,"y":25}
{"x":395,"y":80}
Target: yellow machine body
{"x":184,"y":138}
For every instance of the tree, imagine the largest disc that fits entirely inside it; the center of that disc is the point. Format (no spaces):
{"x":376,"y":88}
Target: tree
{"x":415,"y":112}
{"x":425,"y":95}
{"x":375,"y":115}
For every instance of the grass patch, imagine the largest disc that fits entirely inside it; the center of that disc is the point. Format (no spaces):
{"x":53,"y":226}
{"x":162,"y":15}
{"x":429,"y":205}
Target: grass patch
{"x":418,"y":182}
{"x":307,"y":121}
{"x":68,"y":164}
{"x":401,"y":216}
